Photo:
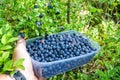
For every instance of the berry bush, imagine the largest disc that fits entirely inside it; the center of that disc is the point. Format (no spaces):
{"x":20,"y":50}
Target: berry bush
{"x":99,"y":19}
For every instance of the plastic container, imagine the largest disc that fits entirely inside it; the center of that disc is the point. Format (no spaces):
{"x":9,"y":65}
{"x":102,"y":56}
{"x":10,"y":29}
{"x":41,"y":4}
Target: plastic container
{"x":49,"y":69}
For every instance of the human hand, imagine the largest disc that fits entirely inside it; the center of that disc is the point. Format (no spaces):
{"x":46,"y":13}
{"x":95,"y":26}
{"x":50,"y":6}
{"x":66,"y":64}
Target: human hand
{"x":21,"y":52}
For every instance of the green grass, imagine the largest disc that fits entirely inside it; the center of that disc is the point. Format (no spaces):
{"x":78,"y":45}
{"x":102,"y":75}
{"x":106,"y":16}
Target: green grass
{"x":99,"y":19}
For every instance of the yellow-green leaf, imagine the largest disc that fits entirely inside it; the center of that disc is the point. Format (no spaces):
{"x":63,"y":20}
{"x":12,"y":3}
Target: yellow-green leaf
{"x":4,"y":39}
{"x":5,"y":55}
{"x":19,"y":63}
{"x":8,"y":66}
{"x":7,"y":47}
{"x":13,"y":39}
{"x":2,"y":30}
{"x":21,"y":67}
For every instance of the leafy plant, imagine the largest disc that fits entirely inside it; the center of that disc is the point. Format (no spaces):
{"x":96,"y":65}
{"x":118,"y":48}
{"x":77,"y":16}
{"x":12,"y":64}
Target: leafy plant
{"x":6,"y":50}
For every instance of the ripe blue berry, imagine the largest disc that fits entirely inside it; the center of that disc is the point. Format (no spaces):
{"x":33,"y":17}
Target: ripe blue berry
{"x":35,"y":6}
{"x":57,"y":13}
{"x":50,"y":6}
{"x":41,"y":15}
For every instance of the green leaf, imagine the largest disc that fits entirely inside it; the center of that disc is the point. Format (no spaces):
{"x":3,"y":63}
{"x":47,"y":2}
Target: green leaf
{"x":37,"y":32}
{"x":107,"y":14}
{"x":7,"y":47}
{"x":7,"y":27}
{"x":19,"y":63}
{"x":21,"y":67}
{"x":4,"y":39}
{"x":13,"y":39}
{"x":8,"y":66}
{"x":12,"y":72}
{"x":5,"y":55}
{"x":2,"y":30}
{"x":50,"y":20}
{"x":93,"y":9}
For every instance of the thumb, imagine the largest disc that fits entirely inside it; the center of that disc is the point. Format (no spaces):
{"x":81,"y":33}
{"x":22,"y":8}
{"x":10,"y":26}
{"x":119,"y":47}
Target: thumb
{"x":21,"y":42}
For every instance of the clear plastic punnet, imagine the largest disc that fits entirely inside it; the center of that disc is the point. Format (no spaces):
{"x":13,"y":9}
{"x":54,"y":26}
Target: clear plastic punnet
{"x":49,"y":69}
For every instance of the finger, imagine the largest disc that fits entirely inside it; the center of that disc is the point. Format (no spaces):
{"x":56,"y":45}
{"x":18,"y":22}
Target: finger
{"x":21,"y":41}
{"x":18,"y":41}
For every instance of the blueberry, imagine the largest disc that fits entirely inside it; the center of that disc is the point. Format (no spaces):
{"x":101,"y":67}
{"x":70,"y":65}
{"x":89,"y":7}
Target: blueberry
{"x":39,"y":52}
{"x":44,"y":60}
{"x":39,"y":46}
{"x":77,"y":53}
{"x":45,"y":46}
{"x":61,"y":56}
{"x":35,"y":55}
{"x":46,"y":54}
{"x":51,"y":59}
{"x":38,"y":23}
{"x":57,"y":13}
{"x":35,"y":6}
{"x":82,"y":53}
{"x":50,"y":53}
{"x":82,"y":44}
{"x":31,"y":44}
{"x":28,"y":46}
{"x":36,"y":41}
{"x":71,"y":55}
{"x":54,"y":47}
{"x":53,"y":56}
{"x":79,"y":46}
{"x":68,"y":56}
{"x":41,"y":49}
{"x":39,"y":59}
{"x":47,"y":59}
{"x":41,"y":15}
{"x":36,"y":58}
{"x":69,"y":50}
{"x":50,"y":6}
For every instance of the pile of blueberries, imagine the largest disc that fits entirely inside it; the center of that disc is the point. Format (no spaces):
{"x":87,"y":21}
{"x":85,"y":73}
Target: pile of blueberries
{"x":58,"y":47}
